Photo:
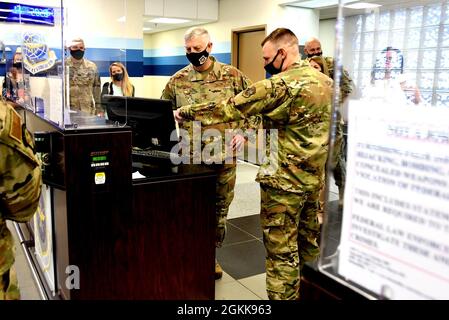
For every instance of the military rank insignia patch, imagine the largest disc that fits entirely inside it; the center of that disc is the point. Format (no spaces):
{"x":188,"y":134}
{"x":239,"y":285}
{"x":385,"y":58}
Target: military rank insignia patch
{"x":249,"y":92}
{"x":15,"y":130}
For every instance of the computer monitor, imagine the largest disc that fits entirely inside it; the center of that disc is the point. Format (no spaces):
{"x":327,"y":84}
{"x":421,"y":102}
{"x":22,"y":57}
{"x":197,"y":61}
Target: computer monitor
{"x":151,"y":120}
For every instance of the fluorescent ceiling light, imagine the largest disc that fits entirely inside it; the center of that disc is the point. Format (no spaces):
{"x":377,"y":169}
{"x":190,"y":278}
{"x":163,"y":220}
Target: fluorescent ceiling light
{"x":362,"y":5}
{"x":315,"y":4}
{"x":122,"y":19}
{"x":168,"y":20}
{"x":147,"y":29}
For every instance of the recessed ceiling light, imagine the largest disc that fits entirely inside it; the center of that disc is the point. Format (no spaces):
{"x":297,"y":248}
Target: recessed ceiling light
{"x":168,"y":20}
{"x":147,"y":29}
{"x":362,"y":5}
{"x":316,"y":4}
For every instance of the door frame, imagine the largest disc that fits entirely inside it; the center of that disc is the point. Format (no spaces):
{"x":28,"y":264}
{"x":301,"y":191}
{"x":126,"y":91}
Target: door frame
{"x":235,"y":40}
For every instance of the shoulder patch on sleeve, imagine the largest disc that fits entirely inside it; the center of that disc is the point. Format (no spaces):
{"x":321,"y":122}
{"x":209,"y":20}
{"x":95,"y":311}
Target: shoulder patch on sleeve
{"x":249,"y":92}
{"x":15,"y":130}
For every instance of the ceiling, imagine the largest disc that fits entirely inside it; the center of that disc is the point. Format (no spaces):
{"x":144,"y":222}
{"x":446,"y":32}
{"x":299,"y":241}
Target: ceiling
{"x":151,"y":27}
{"x":329,"y":8}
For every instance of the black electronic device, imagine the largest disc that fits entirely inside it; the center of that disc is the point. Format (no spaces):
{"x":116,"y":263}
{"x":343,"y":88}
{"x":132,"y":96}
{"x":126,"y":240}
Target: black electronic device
{"x":151,"y":120}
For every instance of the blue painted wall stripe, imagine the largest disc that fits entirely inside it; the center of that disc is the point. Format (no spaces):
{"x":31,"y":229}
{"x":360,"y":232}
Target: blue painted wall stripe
{"x":99,"y":54}
{"x":161,"y":70}
{"x":167,"y":66}
{"x":136,"y":63}
{"x":219,"y":47}
{"x":182,"y":60}
{"x":14,"y":39}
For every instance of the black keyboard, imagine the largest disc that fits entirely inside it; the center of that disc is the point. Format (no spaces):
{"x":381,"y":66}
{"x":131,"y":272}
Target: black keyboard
{"x":142,"y":155}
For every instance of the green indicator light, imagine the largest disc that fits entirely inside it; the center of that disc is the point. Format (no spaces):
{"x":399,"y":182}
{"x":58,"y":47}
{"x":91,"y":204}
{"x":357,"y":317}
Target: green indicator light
{"x":100,"y":158}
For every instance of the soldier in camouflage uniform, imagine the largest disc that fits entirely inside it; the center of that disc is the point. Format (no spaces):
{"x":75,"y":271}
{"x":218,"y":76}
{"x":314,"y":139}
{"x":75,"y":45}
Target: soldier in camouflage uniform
{"x":206,"y":79}
{"x":297,"y":103}
{"x":20,"y":185}
{"x":84,"y":81}
{"x":312,"y":48}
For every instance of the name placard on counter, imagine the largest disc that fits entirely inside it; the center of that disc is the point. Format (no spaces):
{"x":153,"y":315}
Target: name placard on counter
{"x":395,"y":229}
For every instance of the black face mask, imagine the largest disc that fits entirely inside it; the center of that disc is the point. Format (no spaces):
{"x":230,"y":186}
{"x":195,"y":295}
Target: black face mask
{"x":271,"y":69}
{"x":17,"y":65}
{"x":310,"y":55}
{"x":117,"y":76}
{"x":77,"y":54}
{"x":198,"y":58}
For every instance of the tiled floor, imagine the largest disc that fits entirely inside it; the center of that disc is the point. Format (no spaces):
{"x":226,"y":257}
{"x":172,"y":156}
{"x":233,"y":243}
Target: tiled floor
{"x":242,"y":256}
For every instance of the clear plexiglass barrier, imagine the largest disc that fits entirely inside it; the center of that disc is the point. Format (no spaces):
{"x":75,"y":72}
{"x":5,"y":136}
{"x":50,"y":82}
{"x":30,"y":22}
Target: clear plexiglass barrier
{"x":386,"y":227}
{"x":53,"y":64}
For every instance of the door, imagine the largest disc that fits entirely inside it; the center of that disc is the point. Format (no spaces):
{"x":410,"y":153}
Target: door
{"x":247,"y":57}
{"x":247,"y":51}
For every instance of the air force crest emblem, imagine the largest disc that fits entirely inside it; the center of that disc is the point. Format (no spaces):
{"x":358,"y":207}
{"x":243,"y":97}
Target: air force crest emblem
{"x":37,"y":56}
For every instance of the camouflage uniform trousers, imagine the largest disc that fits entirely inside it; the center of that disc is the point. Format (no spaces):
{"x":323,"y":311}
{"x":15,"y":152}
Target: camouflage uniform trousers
{"x":338,"y":168}
{"x":226,"y":175}
{"x":9,"y":286}
{"x":290,"y":233}
{"x":339,"y":162}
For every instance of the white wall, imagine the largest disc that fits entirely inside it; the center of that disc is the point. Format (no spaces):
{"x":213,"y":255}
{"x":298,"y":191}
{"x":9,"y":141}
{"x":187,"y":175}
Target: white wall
{"x":327,"y":36}
{"x":233,"y":14}
{"x":94,"y":19}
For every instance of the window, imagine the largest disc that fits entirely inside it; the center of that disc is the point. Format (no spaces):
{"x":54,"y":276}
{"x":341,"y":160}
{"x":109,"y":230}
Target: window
{"x":421,"y":36}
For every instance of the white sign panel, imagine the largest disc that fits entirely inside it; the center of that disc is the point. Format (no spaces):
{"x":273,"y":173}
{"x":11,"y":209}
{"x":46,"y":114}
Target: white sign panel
{"x":395,"y":232}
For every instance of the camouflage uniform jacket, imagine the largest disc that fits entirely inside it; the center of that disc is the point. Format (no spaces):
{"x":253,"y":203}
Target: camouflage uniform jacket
{"x":346,"y":85}
{"x":221,"y":81}
{"x":296,"y":102}
{"x":84,"y":86}
{"x":20,"y":179}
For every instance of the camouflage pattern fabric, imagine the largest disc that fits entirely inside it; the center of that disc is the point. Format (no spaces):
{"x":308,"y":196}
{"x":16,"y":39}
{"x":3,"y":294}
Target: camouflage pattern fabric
{"x":20,"y":185}
{"x":188,"y":86}
{"x":85,"y":84}
{"x":226,"y":176}
{"x":338,"y":161}
{"x":297,"y":103}
{"x":346,"y":85}
{"x":290,"y":235}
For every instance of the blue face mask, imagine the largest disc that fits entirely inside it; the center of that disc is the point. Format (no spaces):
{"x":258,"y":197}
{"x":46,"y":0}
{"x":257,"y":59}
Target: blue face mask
{"x":271,"y":69}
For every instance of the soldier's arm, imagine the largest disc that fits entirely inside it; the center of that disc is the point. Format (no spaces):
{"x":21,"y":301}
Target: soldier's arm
{"x":253,"y":122}
{"x":347,"y":85}
{"x":259,"y":98}
{"x":96,"y":91}
{"x":169,"y":94}
{"x":20,"y":173}
{"x":244,"y":82}
{"x":21,"y":186}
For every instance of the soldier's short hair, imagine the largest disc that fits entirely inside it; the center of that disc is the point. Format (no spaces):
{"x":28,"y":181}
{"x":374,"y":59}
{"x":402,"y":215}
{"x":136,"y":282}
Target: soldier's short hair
{"x":196,"y":32}
{"x":310,"y":40}
{"x":282,"y":36}
{"x":76,"y":41}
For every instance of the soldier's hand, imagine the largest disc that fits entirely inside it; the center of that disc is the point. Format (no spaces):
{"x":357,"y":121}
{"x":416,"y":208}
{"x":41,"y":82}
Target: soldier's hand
{"x":101,"y":114}
{"x":237,"y":142}
{"x":178,"y":116}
